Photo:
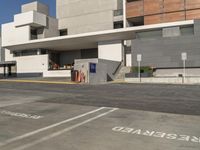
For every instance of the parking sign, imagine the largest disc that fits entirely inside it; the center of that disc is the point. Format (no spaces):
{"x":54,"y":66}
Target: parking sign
{"x":139,"y":57}
{"x":184,"y":56}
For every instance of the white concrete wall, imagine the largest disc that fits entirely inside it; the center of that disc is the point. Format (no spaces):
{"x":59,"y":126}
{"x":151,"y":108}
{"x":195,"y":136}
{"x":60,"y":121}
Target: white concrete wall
{"x":36,"y":6}
{"x":88,"y":22}
{"x":8,"y":55}
{"x":30,"y":18}
{"x":1,"y":70}
{"x":12,"y":35}
{"x":172,"y":80}
{"x":71,"y":8}
{"x":32,"y":64}
{"x":110,"y":50}
{"x":1,"y":49}
{"x":80,"y":16}
{"x":20,"y":30}
{"x":57,"y":73}
{"x":128,"y":60}
{"x":52,"y":29}
{"x":194,"y":72}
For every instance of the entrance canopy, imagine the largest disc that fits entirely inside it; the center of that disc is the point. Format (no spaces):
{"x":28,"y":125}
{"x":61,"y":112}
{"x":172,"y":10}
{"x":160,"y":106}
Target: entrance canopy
{"x":7,"y":63}
{"x":90,"y":40}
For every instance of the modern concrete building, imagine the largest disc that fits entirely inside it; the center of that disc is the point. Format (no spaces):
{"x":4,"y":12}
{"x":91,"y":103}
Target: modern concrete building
{"x":0,"y":48}
{"x":97,"y":33}
{"x":89,"y":15}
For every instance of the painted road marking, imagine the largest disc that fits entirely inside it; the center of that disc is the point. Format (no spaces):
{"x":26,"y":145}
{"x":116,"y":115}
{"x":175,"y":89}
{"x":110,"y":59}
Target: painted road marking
{"x":63,"y":131}
{"x":49,"y":127}
{"x":156,"y":134}
{"x":21,"y":115}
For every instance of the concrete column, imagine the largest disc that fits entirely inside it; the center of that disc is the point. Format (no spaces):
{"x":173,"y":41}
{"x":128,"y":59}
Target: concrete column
{"x":124,"y":13}
{"x":38,"y":52}
{"x":196,"y":27}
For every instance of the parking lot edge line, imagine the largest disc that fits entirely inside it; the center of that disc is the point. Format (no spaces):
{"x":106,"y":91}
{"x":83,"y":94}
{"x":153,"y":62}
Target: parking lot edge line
{"x":49,"y":127}
{"x":64,"y":130}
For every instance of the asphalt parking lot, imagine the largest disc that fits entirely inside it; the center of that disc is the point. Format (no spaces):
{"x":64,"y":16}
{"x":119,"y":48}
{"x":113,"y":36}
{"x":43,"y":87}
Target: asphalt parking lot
{"x":99,"y":117}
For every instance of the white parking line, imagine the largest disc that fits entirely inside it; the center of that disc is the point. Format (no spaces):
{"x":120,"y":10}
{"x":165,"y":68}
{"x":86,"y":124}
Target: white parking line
{"x":63,"y":131}
{"x":48,"y":127}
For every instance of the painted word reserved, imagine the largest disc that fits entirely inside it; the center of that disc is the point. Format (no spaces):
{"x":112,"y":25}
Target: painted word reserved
{"x":169,"y":136}
{"x":22,"y":115}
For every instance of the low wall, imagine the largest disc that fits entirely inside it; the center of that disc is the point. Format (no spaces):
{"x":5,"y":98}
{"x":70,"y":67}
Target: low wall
{"x":105,"y":70}
{"x":57,"y":73}
{"x":172,"y":80}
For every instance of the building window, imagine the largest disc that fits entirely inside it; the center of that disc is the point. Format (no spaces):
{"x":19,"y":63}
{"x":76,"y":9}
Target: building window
{"x":29,"y":52}
{"x":118,"y":25}
{"x":63,"y":32}
{"x":129,"y":1}
{"x":118,"y":12}
{"x":33,"y":33}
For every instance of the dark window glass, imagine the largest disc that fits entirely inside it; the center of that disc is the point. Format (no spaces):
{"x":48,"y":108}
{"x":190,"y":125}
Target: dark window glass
{"x":63,"y":32}
{"x":118,"y":25}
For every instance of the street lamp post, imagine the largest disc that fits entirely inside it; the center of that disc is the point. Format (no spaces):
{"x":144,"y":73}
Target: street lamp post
{"x":139,"y":59}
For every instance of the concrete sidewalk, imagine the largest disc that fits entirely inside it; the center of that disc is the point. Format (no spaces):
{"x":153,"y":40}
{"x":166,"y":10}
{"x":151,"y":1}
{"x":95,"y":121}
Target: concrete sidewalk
{"x":40,"y":80}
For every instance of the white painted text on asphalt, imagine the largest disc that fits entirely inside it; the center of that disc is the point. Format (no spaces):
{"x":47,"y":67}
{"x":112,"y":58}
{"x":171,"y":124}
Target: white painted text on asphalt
{"x":22,"y":115}
{"x":156,"y":134}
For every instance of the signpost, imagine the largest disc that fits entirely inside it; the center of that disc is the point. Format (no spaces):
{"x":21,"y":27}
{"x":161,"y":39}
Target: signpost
{"x":184,"y":58}
{"x":139,"y":59}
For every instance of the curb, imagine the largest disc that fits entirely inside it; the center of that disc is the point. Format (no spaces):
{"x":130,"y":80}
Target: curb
{"x":33,"y":81}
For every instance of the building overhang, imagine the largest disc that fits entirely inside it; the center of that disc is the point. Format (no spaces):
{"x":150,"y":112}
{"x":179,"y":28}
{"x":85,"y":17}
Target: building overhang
{"x":7,"y":63}
{"x":90,"y":40}
{"x":32,"y":18}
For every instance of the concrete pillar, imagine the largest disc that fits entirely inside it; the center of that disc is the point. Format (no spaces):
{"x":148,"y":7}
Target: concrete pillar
{"x":196,"y":27}
{"x":124,"y":14}
{"x":38,"y":52}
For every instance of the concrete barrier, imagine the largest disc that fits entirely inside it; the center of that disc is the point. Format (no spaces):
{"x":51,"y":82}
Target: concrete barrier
{"x":57,"y":73}
{"x":171,"y":80}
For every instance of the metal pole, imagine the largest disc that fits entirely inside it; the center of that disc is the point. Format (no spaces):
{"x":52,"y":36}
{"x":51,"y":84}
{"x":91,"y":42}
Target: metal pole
{"x":139,"y":73}
{"x":184,"y":70}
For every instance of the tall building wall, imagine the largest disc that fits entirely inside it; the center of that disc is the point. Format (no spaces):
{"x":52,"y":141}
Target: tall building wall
{"x":162,"y":11}
{"x":162,"y":48}
{"x":78,"y":16}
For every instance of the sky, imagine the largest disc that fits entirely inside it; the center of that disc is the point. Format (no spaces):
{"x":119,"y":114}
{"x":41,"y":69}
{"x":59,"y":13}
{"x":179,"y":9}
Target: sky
{"x":8,"y":8}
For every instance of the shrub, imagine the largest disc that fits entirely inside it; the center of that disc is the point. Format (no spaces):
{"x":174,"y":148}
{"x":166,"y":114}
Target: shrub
{"x":143,"y":69}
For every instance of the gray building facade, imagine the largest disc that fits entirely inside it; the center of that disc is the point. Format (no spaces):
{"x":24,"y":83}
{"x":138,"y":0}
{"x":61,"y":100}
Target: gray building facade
{"x":162,"y":48}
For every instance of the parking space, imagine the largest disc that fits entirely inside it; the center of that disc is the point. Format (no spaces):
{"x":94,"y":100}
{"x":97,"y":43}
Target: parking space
{"x":124,"y":129}
{"x":56,"y":119}
{"x":82,"y":127}
{"x":29,"y":117}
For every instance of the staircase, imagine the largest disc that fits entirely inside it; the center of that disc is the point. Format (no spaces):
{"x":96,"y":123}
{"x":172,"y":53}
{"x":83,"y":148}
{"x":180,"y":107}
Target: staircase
{"x":121,"y":74}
